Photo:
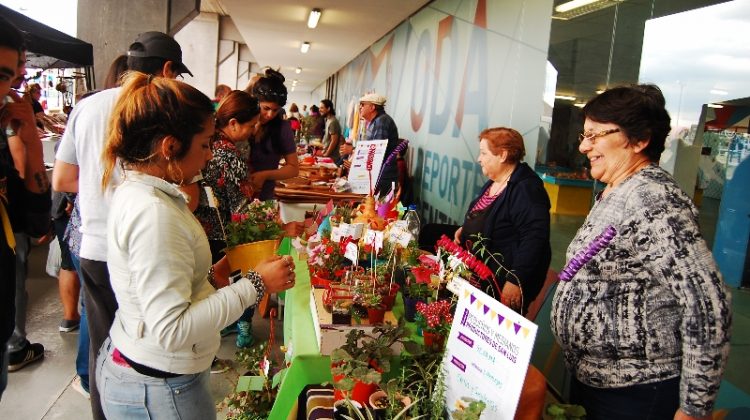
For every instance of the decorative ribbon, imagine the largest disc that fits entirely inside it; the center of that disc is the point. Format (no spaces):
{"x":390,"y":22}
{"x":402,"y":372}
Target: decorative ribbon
{"x":584,"y":256}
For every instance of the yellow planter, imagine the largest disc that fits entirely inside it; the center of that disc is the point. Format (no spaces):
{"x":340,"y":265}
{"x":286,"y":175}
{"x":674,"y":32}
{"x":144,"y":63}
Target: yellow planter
{"x":247,"y":256}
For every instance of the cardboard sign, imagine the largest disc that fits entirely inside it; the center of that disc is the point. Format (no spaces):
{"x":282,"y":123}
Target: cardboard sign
{"x":372,"y":151}
{"x":487,"y":354}
{"x":375,"y":239}
{"x":354,"y":230}
{"x":352,"y":252}
{"x":398,"y":235}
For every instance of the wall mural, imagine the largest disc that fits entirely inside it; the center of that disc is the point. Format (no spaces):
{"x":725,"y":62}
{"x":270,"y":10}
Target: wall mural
{"x":449,"y":72}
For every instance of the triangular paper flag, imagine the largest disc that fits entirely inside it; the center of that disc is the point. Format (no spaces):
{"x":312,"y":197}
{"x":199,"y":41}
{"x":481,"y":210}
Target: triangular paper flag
{"x":479,"y":304}
{"x":493,"y":314}
{"x":500,"y":319}
{"x":466,"y":293}
{"x":508,"y":323}
{"x":516,"y":327}
{"x":472,"y":299}
{"x":525,"y":332}
{"x":486,"y":309}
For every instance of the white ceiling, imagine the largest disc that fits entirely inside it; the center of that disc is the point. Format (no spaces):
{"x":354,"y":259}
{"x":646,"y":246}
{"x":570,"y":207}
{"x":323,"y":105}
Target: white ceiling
{"x":274,"y":30}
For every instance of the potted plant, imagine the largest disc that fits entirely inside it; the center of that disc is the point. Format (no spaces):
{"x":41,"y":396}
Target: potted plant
{"x":325,"y":261}
{"x":253,"y":398}
{"x":375,"y":308}
{"x":417,"y":290}
{"x":253,"y":234}
{"x":357,"y":365}
{"x":435,"y":320}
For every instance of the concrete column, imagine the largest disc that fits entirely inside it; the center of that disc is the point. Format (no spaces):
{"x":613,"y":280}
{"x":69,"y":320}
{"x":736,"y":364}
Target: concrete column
{"x":199,"y":40}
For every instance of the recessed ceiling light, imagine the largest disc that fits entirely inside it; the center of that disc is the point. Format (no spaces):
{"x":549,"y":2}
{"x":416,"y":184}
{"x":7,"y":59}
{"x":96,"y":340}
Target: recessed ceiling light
{"x":305,"y":47}
{"x":312,"y":20}
{"x":298,"y":70}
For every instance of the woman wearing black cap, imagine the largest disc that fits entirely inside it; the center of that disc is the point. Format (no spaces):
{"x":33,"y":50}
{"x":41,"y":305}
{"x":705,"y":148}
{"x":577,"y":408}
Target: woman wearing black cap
{"x":274,"y":139}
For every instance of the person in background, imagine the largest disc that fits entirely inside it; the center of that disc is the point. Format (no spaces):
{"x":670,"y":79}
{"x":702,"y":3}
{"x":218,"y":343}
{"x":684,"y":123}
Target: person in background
{"x":380,"y":126}
{"x":118,"y":67}
{"x":642,"y":313}
{"x":25,"y":199}
{"x":156,"y":360}
{"x":304,"y":111}
{"x":78,"y":168}
{"x":273,"y":140}
{"x":315,"y":124}
{"x":68,"y":282}
{"x":220,"y":93}
{"x":22,"y":352}
{"x":511,"y":215}
{"x":332,"y":131}
{"x":227,"y":175}
{"x":294,"y":111}
{"x":34,"y":94}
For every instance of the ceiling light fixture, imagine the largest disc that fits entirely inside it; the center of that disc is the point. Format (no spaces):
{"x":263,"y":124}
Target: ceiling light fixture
{"x":719,"y":92}
{"x":312,"y":20}
{"x":294,"y":82}
{"x":715,"y":106}
{"x":565,"y":97}
{"x":305,"y":47}
{"x":298,"y":70}
{"x":292,"y":88}
{"x":575,"y":8}
{"x":579,"y":104}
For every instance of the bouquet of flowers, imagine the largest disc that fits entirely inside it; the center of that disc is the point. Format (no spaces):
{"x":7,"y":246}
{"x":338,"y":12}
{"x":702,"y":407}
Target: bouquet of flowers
{"x":457,"y":261}
{"x":257,"y":221}
{"x":435,"y":317}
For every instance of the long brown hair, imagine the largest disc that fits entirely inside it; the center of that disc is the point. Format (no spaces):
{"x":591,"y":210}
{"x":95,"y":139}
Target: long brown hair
{"x":148,"y":109}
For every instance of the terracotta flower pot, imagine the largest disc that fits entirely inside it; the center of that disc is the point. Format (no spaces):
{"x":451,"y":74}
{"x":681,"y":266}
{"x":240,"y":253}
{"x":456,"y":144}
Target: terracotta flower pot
{"x":245,"y":257}
{"x":375,"y":315}
{"x":390,"y":299}
{"x":433,"y":339}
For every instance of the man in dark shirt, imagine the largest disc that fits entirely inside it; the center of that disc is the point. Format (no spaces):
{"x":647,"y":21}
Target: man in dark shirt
{"x":24,"y":201}
{"x":380,"y":126}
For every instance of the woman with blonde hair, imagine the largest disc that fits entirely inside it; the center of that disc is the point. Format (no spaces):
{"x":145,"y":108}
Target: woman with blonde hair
{"x":166,"y":330}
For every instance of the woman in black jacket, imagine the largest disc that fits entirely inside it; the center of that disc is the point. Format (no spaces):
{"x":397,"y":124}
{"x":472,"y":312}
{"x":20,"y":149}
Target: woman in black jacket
{"x":511,"y":215}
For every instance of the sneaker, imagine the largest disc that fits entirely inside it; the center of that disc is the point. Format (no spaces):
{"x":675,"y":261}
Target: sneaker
{"x":29,"y":354}
{"x":220,"y":365}
{"x":78,"y":386}
{"x":229,"y":329}
{"x":68,"y":325}
{"x":244,"y":334}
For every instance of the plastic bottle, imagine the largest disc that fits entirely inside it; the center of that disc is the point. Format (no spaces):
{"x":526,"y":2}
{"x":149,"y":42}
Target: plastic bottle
{"x":412,"y":221}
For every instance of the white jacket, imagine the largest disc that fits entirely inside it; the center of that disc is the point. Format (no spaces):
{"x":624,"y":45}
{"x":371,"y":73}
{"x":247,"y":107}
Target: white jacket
{"x":169,"y":316}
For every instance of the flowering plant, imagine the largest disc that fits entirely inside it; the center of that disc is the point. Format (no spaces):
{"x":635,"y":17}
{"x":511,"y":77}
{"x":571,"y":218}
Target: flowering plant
{"x":257,"y":221}
{"x":419,"y":282}
{"x":435,"y":317}
{"x":458,"y":259}
{"x":326,"y":259}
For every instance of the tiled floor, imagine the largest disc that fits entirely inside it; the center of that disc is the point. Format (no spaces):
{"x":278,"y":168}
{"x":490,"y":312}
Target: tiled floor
{"x":43,"y":391}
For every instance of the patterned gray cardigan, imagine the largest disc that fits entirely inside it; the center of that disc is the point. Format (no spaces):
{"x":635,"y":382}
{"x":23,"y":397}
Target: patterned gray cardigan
{"x":650,"y":306}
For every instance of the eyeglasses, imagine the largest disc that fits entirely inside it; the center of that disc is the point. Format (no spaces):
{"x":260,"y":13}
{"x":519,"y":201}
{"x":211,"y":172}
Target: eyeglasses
{"x":592,"y":136}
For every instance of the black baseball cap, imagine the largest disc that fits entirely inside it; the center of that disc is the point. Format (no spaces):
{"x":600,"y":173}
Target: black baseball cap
{"x":159,"y":44}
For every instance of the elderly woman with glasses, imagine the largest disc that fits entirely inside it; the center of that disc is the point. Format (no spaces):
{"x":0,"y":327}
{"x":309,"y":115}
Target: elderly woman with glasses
{"x":510,"y":218}
{"x":641,"y":312}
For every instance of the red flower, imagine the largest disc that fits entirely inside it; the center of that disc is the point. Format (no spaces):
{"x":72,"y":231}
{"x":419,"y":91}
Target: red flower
{"x":235,"y":217}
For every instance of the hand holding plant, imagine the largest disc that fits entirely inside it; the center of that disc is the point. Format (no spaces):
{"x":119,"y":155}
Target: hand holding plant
{"x":257,"y":221}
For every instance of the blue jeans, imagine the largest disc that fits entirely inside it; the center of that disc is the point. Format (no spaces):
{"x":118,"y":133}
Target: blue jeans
{"x":126,"y":394}
{"x":82,"y":358}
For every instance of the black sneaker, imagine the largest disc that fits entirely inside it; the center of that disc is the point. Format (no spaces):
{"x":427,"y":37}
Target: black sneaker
{"x":68,"y":325}
{"x":29,"y":354}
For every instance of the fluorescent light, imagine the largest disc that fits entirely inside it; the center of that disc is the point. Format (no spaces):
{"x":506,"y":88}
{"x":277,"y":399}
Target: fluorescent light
{"x":579,"y":104}
{"x":565,"y":97}
{"x":574,"y":4}
{"x":292,"y":88}
{"x":715,"y":106}
{"x":599,"y":91}
{"x":305,"y":47}
{"x":575,"y":8}
{"x":298,"y":70}
{"x":312,"y":21}
{"x":294,"y":83}
{"x":719,"y":92}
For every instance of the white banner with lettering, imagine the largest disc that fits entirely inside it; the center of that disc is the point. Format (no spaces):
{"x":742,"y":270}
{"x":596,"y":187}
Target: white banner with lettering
{"x":487,"y":354}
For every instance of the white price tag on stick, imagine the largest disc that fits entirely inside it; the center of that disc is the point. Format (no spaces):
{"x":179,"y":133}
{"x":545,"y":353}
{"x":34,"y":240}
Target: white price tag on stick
{"x":352,"y":252}
{"x":374,"y":238}
{"x":399,"y":236}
